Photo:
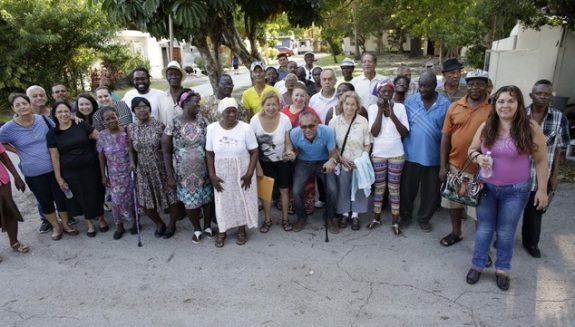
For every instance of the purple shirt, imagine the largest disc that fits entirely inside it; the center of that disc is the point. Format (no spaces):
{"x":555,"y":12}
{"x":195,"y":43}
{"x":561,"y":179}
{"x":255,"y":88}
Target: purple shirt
{"x":509,"y":166}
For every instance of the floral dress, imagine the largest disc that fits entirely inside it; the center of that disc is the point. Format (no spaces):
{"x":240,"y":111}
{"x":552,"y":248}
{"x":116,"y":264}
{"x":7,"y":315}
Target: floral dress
{"x":115,"y":148}
{"x":189,"y":159}
{"x":153,"y":191}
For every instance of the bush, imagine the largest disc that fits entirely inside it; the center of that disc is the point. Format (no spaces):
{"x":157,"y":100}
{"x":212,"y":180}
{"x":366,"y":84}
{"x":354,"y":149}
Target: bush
{"x":475,"y":56}
{"x":117,"y":63}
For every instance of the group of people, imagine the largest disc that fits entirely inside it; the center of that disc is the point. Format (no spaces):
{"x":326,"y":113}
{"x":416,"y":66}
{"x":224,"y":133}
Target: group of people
{"x":312,"y":133}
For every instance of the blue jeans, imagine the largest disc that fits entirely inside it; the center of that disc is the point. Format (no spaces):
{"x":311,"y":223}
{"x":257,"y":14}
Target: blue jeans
{"x":499,"y":211}
{"x":302,"y":171}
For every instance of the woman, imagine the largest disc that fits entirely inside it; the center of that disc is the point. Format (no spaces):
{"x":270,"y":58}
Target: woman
{"x":271,"y":76}
{"x":299,"y":105}
{"x":114,"y":158}
{"x":272,"y":129}
{"x":9,"y":213}
{"x":401,"y":84}
{"x":388,"y":124}
{"x":105,"y":99}
{"x":316,"y":75}
{"x":232,"y":153}
{"x":290,"y":83}
{"x":512,"y":139}
{"x":76,"y":165}
{"x":183,"y":145}
{"x":337,"y":109}
{"x":26,"y":135}
{"x":87,"y":107}
{"x":353,"y":140}
{"x":146,"y":159}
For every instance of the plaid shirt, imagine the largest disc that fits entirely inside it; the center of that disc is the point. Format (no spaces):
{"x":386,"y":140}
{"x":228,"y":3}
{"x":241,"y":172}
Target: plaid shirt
{"x":556,"y":130}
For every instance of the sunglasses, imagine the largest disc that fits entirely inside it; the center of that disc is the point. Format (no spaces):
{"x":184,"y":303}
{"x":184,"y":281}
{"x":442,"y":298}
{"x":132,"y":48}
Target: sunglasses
{"x":312,"y":126}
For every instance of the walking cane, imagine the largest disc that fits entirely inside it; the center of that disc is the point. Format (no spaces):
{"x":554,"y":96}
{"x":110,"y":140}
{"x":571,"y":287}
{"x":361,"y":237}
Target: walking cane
{"x":133,"y":180}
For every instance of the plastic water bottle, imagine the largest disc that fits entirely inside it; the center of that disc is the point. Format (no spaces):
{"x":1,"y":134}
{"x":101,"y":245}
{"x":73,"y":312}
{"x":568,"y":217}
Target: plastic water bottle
{"x":487,"y":171}
{"x":68,"y":193}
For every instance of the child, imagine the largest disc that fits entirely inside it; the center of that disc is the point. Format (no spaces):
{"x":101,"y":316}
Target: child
{"x":112,"y":149}
{"x":9,"y":213}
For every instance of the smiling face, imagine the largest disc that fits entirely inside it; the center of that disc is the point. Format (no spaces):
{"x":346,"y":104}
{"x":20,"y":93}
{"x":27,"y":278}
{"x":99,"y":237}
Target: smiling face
{"x":85,"y":106}
{"x":271,"y":76}
{"x":258,"y":75}
{"x":401,"y":85}
{"x":59,"y":93}
{"x":141,"y":81}
{"x":111,"y":120}
{"x":349,"y":106}
{"x":308,"y":126}
{"x":476,"y":88}
{"x":174,"y":77}
{"x":63,"y":114}
{"x":271,"y":107}
{"x":506,"y":106}
{"x":283,"y":61}
{"x":368,"y":62}
{"x":104,"y":97}
{"x":38,"y":98}
{"x":142,"y":112}
{"x":298,"y":97}
{"x":21,"y":106}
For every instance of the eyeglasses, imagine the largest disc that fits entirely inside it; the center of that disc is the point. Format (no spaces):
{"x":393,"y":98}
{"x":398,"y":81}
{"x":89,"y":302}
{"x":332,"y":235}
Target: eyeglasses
{"x":311,"y":126}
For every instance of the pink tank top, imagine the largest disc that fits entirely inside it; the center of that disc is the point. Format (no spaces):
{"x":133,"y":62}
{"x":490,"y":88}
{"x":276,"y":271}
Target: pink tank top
{"x":509,"y":166}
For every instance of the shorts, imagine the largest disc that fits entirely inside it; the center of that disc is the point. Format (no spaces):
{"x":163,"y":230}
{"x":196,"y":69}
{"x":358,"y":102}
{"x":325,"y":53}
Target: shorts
{"x":281,"y":171}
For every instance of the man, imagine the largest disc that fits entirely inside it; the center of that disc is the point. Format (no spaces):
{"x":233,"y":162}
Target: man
{"x":452,"y":88}
{"x":283,"y":68}
{"x":347,"y":67}
{"x":365,"y":82}
{"x":60,"y":93}
{"x":38,"y":100}
{"x":461,"y":122}
{"x":169,"y":107}
{"x":309,"y":85}
{"x":309,"y":59}
{"x":140,"y":79}
{"x":325,"y":99}
{"x":291,"y":69}
{"x":404,"y":70}
{"x":252,"y":97}
{"x":556,"y":130}
{"x":209,"y":107}
{"x":425,"y":113}
{"x":313,"y":145}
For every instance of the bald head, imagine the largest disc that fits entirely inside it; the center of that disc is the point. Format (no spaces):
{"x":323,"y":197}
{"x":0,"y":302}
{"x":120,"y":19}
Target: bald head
{"x":427,"y":84}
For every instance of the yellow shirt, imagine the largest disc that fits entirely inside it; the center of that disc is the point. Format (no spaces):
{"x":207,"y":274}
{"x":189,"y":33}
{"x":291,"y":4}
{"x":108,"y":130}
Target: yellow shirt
{"x":252,"y":101}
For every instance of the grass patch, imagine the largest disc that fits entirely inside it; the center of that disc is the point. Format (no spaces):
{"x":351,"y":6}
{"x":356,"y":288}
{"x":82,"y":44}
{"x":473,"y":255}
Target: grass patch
{"x":162,"y":85}
{"x":328,"y":61}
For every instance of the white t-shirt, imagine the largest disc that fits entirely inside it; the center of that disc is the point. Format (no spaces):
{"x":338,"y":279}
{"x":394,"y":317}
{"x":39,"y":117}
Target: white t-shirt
{"x":230,"y":143}
{"x":321,"y":104}
{"x":272,"y":144}
{"x":364,"y":88}
{"x":388,"y":143}
{"x":153,"y":95}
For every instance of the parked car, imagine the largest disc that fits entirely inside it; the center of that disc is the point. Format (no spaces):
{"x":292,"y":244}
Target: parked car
{"x":286,"y":50}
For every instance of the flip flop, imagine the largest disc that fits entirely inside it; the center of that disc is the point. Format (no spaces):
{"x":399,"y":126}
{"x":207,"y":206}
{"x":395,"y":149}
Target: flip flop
{"x":450,"y":239}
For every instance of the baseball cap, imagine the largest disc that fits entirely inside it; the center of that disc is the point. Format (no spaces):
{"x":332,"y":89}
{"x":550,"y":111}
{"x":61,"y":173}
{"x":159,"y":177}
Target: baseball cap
{"x":347,"y":62}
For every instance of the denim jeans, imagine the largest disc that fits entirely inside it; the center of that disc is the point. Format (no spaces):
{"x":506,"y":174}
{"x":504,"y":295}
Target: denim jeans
{"x":499,"y":211}
{"x":302,"y":171}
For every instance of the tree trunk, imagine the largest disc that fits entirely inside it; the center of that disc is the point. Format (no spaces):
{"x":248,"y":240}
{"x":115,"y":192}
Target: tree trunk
{"x":380,"y":43}
{"x":213,"y":67}
{"x":232,"y":39}
{"x":415,"y":45}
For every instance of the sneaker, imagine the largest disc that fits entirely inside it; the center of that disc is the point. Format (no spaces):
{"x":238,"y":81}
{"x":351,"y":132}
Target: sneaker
{"x":319,"y":204}
{"x":45,"y":227}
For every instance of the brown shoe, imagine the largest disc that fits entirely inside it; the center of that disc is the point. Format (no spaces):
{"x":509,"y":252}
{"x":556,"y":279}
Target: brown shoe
{"x":332,"y":226}
{"x":299,"y":225}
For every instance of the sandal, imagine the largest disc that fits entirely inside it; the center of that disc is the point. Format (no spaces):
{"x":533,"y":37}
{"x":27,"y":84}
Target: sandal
{"x":70,"y":231}
{"x":197,"y":237}
{"x":242,"y":238}
{"x":20,"y":248}
{"x":220,"y":239}
{"x":286,"y":225}
{"x":450,"y":239}
{"x":266,"y":226}
{"x":374,"y":223}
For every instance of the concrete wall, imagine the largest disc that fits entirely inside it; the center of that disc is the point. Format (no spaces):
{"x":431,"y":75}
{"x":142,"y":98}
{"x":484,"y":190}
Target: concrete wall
{"x":146,"y":45}
{"x":565,"y":68}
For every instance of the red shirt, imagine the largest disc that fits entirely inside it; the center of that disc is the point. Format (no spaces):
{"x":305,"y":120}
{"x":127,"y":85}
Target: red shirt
{"x":294,"y":118}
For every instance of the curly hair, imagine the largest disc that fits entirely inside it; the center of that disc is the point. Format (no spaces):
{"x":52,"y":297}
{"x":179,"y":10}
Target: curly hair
{"x":520,"y":127}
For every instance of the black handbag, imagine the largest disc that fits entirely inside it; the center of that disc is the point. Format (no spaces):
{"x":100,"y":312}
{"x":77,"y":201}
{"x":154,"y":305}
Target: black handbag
{"x":462,"y":189}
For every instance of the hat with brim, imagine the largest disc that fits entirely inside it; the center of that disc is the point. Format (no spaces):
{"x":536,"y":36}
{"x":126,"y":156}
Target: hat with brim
{"x":347,"y":62}
{"x":309,"y":53}
{"x":477,"y":74}
{"x":226,"y":103}
{"x":257,"y":64}
{"x":451,"y":64}
{"x":173,"y":65}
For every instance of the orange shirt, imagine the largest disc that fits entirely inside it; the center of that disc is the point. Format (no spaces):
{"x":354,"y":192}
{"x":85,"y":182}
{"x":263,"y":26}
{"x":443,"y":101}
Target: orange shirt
{"x":461,"y":123}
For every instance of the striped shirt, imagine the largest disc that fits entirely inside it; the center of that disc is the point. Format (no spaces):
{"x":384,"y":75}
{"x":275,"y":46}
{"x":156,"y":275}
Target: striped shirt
{"x":556,"y":131}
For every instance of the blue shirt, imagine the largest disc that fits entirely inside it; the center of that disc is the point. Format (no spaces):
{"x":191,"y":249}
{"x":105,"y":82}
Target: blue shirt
{"x":30,"y":143}
{"x":318,"y":149}
{"x":423,"y":141}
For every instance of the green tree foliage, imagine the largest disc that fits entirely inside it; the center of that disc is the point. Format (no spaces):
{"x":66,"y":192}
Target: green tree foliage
{"x":45,"y":41}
